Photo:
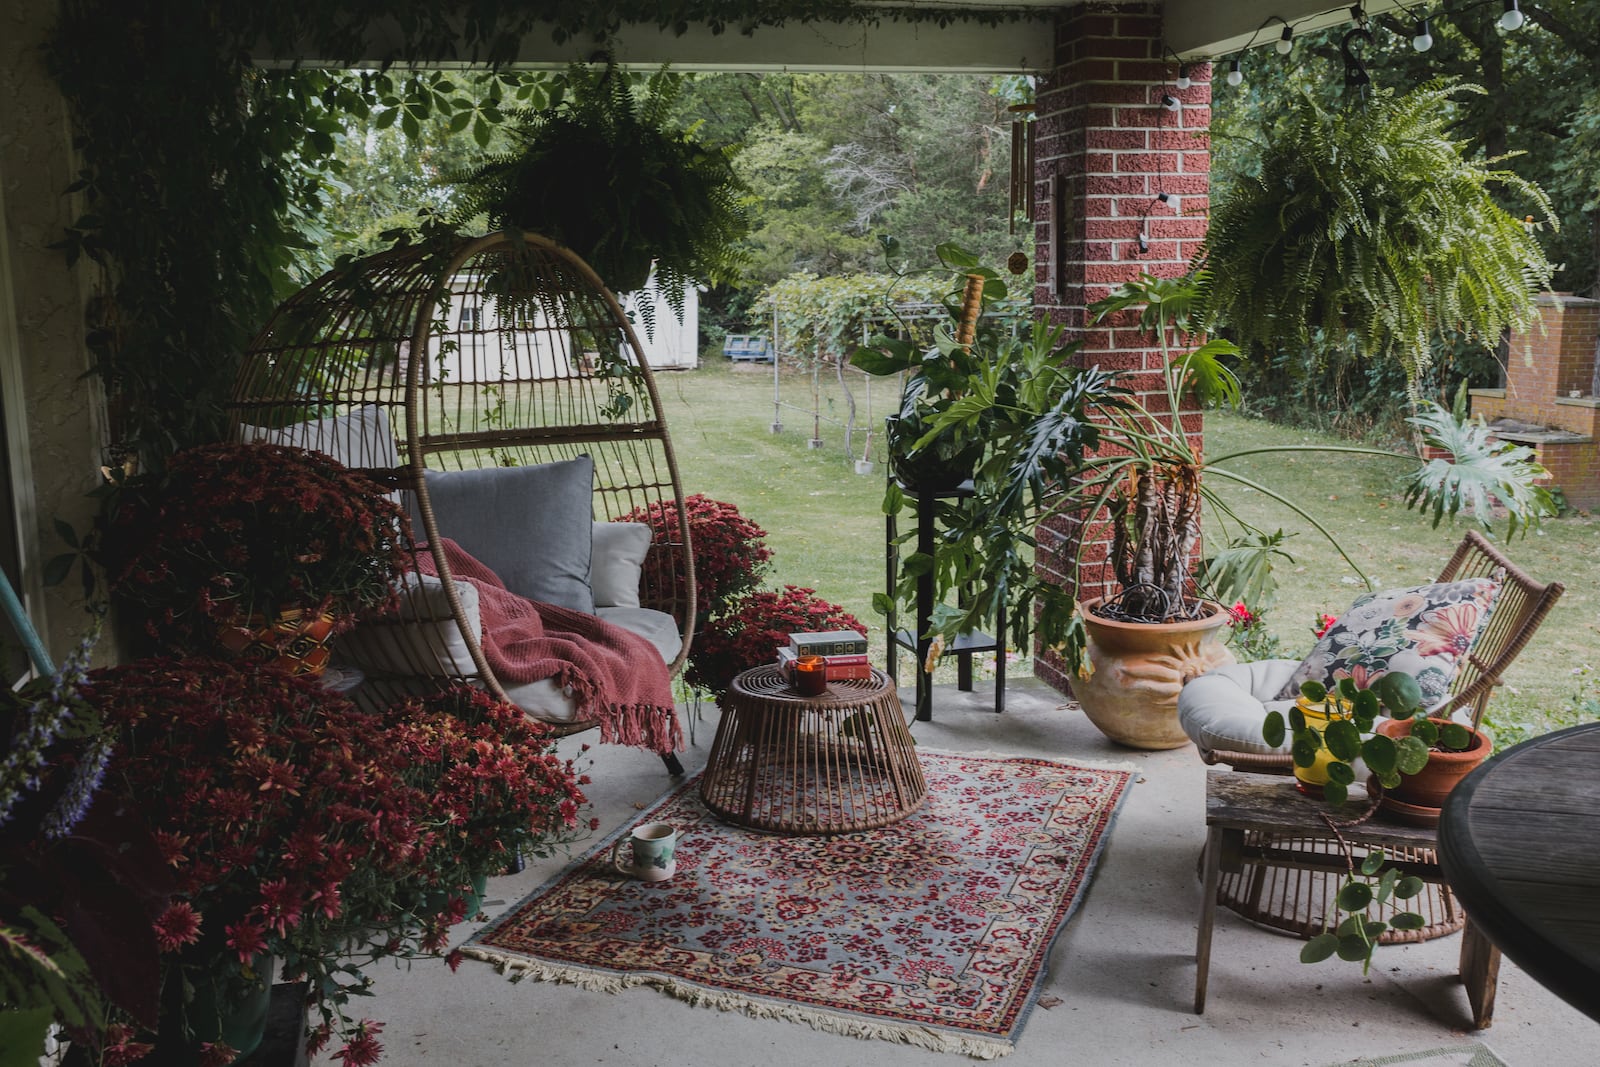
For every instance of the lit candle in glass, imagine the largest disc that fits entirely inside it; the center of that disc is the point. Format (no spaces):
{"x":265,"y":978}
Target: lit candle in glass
{"x":810,"y":675}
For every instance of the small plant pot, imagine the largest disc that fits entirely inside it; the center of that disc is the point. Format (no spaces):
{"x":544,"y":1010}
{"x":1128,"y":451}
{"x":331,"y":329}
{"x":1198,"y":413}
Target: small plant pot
{"x":1310,"y":780}
{"x":1428,"y":787}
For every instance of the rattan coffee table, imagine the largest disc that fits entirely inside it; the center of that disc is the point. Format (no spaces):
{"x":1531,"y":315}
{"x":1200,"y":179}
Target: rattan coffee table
{"x":829,"y":764}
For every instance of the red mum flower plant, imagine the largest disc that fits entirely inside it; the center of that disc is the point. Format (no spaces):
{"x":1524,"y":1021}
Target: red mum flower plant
{"x":289,"y":820}
{"x":233,"y":535}
{"x":749,"y":635}
{"x":495,"y":789}
{"x":730,"y":552}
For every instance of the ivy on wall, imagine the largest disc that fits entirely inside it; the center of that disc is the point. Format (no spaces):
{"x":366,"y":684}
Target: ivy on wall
{"x":197,"y":168}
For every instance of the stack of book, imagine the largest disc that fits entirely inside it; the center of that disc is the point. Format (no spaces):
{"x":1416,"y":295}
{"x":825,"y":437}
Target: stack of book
{"x":843,"y":652}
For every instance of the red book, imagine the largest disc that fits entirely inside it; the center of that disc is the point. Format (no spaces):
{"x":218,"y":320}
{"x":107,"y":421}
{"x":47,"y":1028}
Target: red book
{"x":853,"y":668}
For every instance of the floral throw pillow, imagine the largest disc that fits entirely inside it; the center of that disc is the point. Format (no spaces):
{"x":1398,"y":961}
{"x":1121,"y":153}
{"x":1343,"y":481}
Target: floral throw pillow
{"x":1422,"y":631}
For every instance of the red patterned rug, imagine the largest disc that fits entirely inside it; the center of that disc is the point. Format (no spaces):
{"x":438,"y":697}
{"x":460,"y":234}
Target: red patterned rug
{"x":935,"y":931}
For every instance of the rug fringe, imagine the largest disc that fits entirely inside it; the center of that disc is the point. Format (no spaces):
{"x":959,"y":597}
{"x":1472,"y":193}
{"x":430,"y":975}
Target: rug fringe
{"x":518,"y":968}
{"x":1065,"y":761}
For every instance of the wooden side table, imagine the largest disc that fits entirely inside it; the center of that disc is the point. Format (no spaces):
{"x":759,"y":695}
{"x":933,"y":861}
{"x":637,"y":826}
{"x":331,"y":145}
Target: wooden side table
{"x":1241,"y":807}
{"x":829,"y":764}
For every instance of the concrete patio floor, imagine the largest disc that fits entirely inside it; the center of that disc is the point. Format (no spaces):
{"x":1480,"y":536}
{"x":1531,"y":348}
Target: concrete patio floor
{"x":1123,"y":969}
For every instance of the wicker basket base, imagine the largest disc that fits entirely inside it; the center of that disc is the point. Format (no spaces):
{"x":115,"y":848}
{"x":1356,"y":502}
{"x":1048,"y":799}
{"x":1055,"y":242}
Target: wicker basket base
{"x":835,"y":763}
{"x":1299,"y":901}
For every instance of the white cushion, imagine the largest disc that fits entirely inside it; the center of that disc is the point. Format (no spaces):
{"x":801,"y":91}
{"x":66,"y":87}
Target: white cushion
{"x":657,"y":627}
{"x":425,"y":640}
{"x":1224,"y":709}
{"x":359,"y":438}
{"x":617,"y":563}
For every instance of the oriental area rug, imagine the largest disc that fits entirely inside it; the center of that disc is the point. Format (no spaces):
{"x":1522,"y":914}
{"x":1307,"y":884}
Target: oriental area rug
{"x":934,"y":932}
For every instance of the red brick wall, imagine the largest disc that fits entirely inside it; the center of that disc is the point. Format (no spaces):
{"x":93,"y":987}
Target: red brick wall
{"x":1548,"y":362}
{"x":1106,"y":149}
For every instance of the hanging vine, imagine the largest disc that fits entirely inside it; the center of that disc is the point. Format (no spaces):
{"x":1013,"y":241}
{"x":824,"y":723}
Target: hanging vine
{"x":200,"y":171}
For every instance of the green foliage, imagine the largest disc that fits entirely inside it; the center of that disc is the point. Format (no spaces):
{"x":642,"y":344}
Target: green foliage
{"x":826,"y":318}
{"x":1373,"y":219}
{"x":602,"y":173}
{"x":1486,"y":472}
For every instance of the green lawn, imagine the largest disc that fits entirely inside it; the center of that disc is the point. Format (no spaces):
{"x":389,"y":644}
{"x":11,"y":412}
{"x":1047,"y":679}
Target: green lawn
{"x":825,"y":525}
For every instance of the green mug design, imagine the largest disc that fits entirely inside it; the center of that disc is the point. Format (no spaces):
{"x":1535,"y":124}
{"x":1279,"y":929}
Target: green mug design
{"x":655,"y":847}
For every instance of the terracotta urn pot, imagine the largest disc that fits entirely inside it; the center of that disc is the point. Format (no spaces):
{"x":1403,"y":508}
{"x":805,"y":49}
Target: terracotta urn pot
{"x":1137,"y":670}
{"x":1445,"y":769}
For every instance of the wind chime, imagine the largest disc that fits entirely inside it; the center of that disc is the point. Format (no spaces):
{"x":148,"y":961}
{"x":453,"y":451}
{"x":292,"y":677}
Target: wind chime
{"x":1022,"y":193}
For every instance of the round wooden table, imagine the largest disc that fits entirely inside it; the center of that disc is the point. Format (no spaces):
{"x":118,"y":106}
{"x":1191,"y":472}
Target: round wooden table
{"x":1519,"y":842}
{"x":829,"y":764}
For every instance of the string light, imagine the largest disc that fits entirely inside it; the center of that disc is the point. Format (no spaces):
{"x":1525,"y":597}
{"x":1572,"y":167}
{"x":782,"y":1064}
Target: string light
{"x":1170,"y":102}
{"x":1144,"y":241}
{"x":1169,"y":199}
{"x":1511,"y":19}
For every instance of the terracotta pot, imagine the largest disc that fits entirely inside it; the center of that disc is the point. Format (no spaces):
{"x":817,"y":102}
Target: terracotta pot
{"x":296,"y":642}
{"x":1429,"y":786}
{"x":1138,"y":669}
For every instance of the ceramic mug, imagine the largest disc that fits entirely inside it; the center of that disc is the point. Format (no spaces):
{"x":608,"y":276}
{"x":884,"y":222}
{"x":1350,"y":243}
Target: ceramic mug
{"x":655,"y":845}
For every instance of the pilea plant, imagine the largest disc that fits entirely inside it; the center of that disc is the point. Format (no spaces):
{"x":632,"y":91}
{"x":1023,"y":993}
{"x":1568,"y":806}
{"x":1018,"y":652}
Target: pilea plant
{"x":1352,"y":713}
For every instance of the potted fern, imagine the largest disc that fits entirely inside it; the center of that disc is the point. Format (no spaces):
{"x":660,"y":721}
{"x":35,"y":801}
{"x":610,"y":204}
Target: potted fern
{"x":1373,"y":221}
{"x":602,"y":173}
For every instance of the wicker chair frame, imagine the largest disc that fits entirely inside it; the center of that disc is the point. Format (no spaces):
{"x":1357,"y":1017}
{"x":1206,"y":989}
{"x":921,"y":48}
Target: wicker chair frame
{"x":502,"y":350}
{"x":1296,"y":900}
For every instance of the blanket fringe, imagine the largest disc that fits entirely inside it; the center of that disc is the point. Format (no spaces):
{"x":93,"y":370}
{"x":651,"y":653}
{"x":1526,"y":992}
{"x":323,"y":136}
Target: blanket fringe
{"x":642,"y":726}
{"x":518,"y":968}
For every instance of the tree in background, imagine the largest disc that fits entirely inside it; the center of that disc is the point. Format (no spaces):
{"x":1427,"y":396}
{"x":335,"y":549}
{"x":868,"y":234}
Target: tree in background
{"x":836,"y":159}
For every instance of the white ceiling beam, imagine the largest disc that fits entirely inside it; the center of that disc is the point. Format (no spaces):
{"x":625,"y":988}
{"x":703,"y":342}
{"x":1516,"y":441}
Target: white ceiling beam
{"x":1202,"y":29}
{"x":1022,"y":46}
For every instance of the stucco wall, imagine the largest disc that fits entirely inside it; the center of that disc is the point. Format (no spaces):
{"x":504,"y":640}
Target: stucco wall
{"x":54,"y":426}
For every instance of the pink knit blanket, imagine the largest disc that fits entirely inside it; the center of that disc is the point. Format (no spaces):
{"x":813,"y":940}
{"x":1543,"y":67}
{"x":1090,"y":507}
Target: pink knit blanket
{"x":617,"y":677}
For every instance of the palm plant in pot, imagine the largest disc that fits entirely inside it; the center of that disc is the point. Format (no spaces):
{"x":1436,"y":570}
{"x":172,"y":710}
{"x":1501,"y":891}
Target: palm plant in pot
{"x":1078,"y":445}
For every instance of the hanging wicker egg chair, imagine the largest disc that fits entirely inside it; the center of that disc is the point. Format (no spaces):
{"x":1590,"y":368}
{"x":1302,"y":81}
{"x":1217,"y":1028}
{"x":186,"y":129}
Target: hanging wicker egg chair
{"x":504,"y":351}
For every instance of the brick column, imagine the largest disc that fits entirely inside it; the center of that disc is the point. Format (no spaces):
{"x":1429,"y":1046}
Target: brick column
{"x":1107,"y":149}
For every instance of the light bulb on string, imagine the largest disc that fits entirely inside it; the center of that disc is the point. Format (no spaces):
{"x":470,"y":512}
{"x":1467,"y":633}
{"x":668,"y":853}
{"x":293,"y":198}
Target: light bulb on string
{"x":1285,"y":42}
{"x":1184,"y":80}
{"x":1424,"y":39}
{"x":1513,"y":18}
{"x":1169,"y":199}
{"x":1170,"y":102}
{"x":1144,"y":241}
{"x":1235,"y":75}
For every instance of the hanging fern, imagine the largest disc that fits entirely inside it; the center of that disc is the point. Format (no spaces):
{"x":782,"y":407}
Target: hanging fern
{"x":1374,"y":220}
{"x":603,"y":174}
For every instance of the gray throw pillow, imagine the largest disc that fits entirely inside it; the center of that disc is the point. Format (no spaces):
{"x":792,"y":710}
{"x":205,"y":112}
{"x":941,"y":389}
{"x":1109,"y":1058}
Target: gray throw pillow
{"x":530,"y":525}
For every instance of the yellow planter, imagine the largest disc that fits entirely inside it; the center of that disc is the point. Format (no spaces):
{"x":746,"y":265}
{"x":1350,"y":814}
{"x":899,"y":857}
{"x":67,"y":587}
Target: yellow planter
{"x":1311,"y":779}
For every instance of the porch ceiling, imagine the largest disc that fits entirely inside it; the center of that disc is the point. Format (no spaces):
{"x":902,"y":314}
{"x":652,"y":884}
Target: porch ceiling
{"x":1195,"y":29}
